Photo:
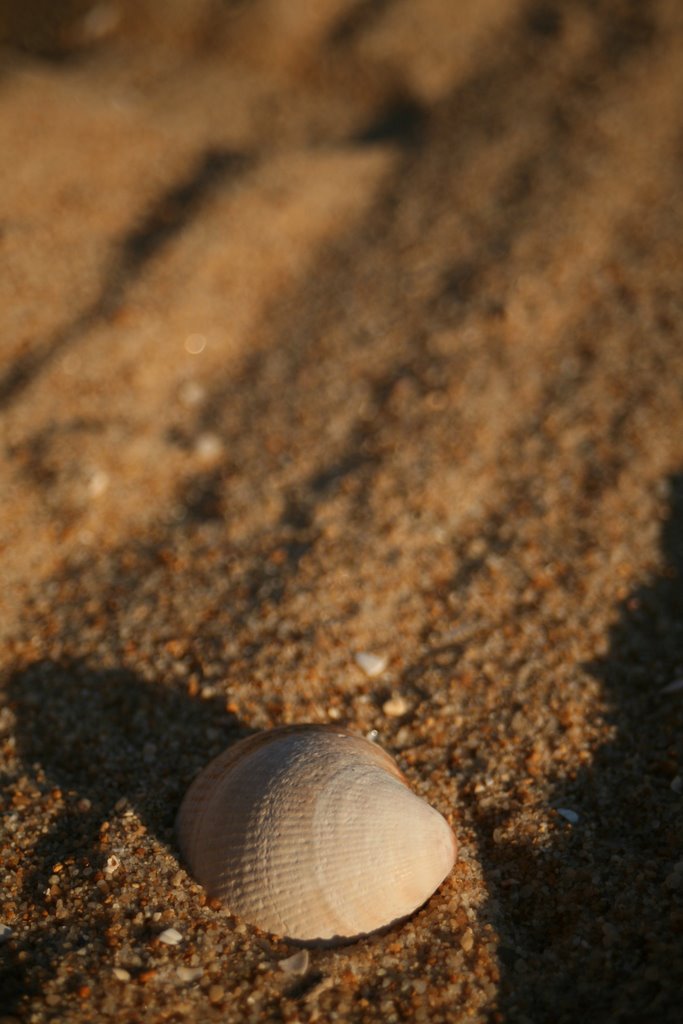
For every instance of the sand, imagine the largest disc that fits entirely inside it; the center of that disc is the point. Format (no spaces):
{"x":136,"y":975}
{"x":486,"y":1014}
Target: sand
{"x":328,"y":330}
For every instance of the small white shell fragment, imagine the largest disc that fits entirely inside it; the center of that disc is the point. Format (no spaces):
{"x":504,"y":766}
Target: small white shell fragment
{"x":570,"y":816}
{"x":112,"y":866}
{"x":296,"y":965}
{"x":372,"y":664}
{"x":121,"y":973}
{"x":396,"y":706}
{"x":312,"y":833}
{"x":673,"y":687}
{"x":5,"y":933}
{"x":191,"y":393}
{"x":208,"y":447}
{"x":189,"y":974}
{"x":98,"y":483}
{"x":195,"y":344}
{"x":171,"y":937}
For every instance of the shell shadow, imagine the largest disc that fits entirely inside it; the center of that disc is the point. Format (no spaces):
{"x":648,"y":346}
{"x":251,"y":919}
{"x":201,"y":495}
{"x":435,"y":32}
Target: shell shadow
{"x":593,"y":924}
{"x":122,"y":730}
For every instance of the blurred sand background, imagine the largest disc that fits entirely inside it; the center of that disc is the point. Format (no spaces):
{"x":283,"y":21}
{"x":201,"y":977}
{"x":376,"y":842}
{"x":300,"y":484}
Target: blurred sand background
{"x":335,"y":327}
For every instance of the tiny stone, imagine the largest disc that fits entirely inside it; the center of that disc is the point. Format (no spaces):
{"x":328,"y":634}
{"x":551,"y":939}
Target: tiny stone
{"x":297,"y":964}
{"x":467,"y":940}
{"x":395,"y":707}
{"x":673,"y":687}
{"x":98,"y":483}
{"x":216,"y":993}
{"x":208,"y":447}
{"x":191,"y":393}
{"x":677,"y":784}
{"x":189,"y":974}
{"x":570,"y":816}
{"x":171,"y":937}
{"x":121,"y":974}
{"x":112,"y":866}
{"x":318,"y":989}
{"x":372,"y":664}
{"x":5,"y":933}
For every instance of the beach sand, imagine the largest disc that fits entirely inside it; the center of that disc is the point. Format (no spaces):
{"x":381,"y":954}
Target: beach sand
{"x":330,"y":329}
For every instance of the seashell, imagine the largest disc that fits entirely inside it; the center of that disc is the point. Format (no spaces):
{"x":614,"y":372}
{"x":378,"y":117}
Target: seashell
{"x":312,"y":833}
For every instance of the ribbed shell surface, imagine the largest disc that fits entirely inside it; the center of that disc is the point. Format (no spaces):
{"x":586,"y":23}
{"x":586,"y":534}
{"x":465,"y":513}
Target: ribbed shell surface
{"x":311,"y":833}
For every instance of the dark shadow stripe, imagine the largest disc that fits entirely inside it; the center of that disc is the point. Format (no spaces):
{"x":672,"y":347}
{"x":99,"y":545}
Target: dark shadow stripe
{"x":165,"y":219}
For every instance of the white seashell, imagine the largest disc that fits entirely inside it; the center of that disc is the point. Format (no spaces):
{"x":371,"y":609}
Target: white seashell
{"x":312,"y":833}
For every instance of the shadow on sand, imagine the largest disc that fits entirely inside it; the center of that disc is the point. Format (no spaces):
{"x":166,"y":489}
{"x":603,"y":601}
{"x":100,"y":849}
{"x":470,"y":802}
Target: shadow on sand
{"x":132,"y":745}
{"x":593,"y":926}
